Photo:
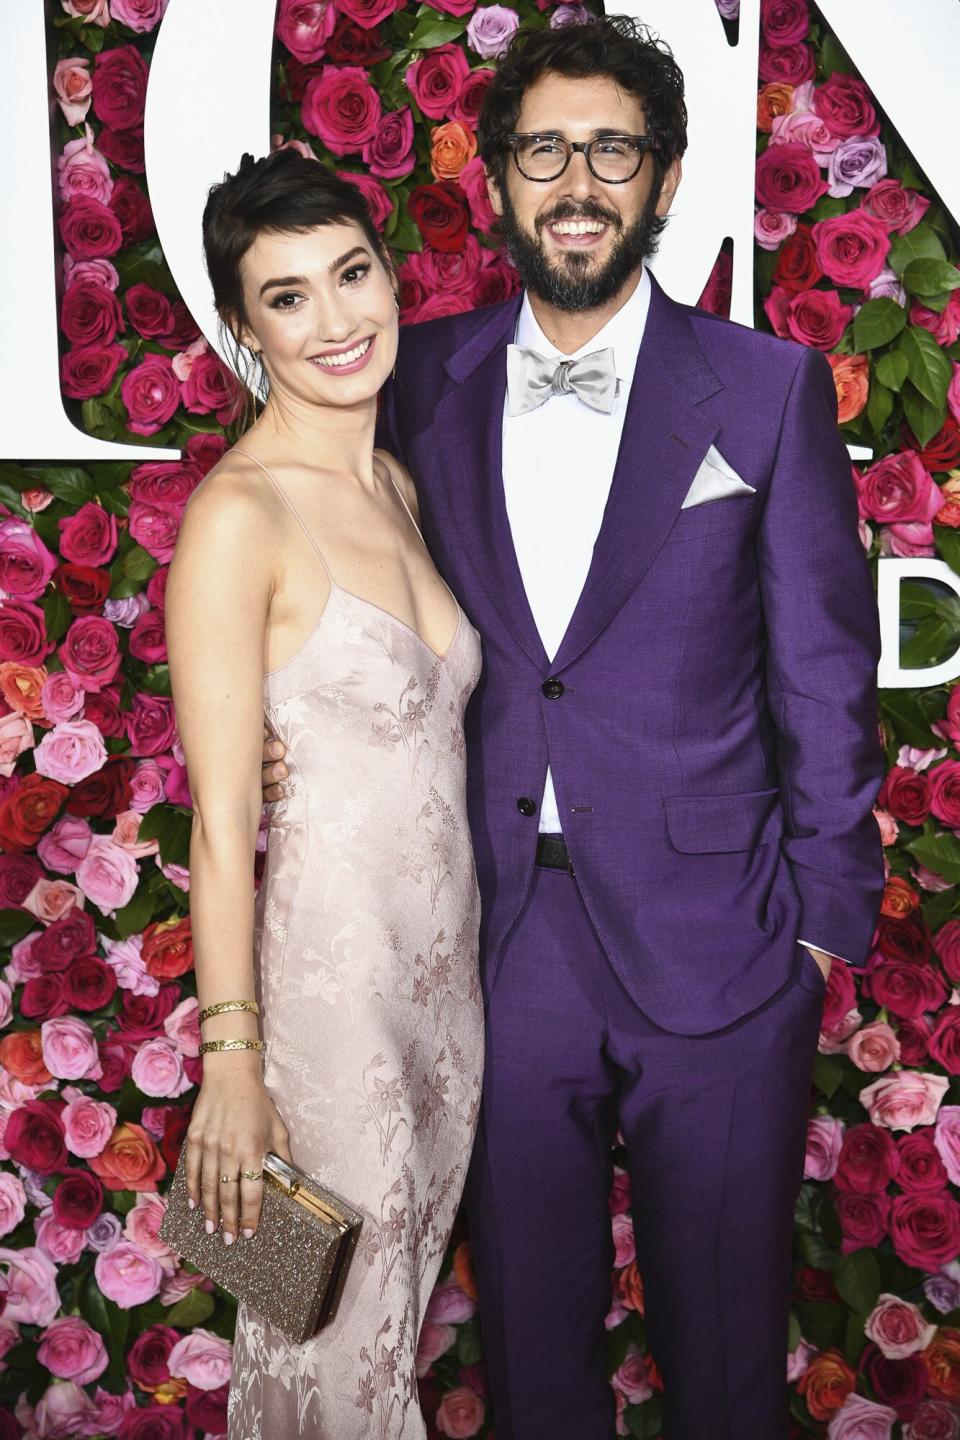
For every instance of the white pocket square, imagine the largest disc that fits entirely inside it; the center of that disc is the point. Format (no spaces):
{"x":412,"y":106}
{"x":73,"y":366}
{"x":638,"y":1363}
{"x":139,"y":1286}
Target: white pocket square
{"x":714,"y":480}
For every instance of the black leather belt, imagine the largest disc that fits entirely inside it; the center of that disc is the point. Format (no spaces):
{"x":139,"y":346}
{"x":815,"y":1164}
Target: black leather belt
{"x":552,"y":852}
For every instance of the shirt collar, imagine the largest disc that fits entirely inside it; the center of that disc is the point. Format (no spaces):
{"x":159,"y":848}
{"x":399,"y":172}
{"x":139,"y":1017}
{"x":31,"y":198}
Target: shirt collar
{"x":623,"y":331}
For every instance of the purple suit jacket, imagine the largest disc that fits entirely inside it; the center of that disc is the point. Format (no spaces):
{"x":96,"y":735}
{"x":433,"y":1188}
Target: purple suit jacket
{"x":715,"y":748}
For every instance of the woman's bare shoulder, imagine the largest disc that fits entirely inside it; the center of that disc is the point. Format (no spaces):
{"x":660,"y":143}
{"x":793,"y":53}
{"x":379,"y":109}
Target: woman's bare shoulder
{"x":402,"y":479}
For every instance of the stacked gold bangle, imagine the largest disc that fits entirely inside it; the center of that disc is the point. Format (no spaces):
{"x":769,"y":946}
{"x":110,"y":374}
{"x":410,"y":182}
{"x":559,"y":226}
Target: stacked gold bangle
{"x":219,"y":1009}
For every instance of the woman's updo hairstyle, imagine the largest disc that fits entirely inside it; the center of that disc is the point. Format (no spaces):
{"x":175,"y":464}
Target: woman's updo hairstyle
{"x":284,"y":192}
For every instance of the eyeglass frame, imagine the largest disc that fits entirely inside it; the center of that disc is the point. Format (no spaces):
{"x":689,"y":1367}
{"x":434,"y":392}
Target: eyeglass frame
{"x":645,"y":142}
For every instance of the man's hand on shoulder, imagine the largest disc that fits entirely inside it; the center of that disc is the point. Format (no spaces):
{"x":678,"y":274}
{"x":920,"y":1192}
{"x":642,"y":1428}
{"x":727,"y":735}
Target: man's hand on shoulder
{"x":274,"y":772}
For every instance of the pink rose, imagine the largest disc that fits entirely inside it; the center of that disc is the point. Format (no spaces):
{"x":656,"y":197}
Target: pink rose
{"x":946,"y":1137}
{"x":63,"y":1244}
{"x":905,"y":1099}
{"x":772,"y":227}
{"x":632,"y":1379}
{"x":851,"y":248}
{"x":434,"y":1341}
{"x":146,"y":786}
{"x":389,"y":153}
{"x":13,"y":1202}
{"x":342,"y":108}
{"x":183,"y":1027}
{"x":898,"y":1328}
{"x":126,"y":1275}
{"x":624,"y":1244}
{"x":125,"y":833}
{"x":101,"y":272}
{"x":953,"y":393}
{"x":73,"y":88}
{"x":875,"y":1047}
{"x":65,"y":1409}
{"x":150,"y":724}
{"x":88,"y":1125}
{"x":88,"y":537}
{"x":91,"y":653}
{"x":897,"y":488}
{"x":378,"y":200}
{"x":788,"y":178}
{"x":900,"y":209}
{"x":142,"y":1225}
{"x":139,"y":15}
{"x":460,"y":1413}
{"x":473,"y":184}
{"x":155,"y":527}
{"x":806,"y":129}
{"x":860,"y":1419}
{"x":50,"y":900}
{"x":934,"y":1420}
{"x":449,"y":1305}
{"x":107,"y":875}
{"x":31,"y":1293}
{"x":305,"y":26}
{"x":824,"y":1140}
{"x":202,"y":1359}
{"x":82,"y":170}
{"x":16,"y":735}
{"x":436,"y":80}
{"x":158,"y":1069}
{"x":26,"y":564}
{"x":70,"y":752}
{"x":65,"y":844}
{"x":151,"y":394}
{"x":91,"y":12}
{"x":69,"y":1048}
{"x":70,"y":1348}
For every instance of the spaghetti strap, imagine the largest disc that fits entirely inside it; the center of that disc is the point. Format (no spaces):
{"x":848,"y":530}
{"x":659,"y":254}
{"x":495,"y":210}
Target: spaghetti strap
{"x":404,"y":503}
{"x":291,"y":507}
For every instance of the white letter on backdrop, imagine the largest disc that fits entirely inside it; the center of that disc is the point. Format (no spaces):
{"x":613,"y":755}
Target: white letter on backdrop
{"x":890,"y":674}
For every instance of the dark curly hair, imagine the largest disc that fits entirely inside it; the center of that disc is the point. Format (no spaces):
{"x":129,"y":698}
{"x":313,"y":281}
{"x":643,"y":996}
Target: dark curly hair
{"x":613,"y":45}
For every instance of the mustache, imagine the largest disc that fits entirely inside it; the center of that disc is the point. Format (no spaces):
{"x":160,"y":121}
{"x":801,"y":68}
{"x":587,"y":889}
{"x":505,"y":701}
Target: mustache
{"x":588,"y":210}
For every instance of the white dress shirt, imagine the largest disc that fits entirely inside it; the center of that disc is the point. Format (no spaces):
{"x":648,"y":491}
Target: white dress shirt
{"x":558,"y":463}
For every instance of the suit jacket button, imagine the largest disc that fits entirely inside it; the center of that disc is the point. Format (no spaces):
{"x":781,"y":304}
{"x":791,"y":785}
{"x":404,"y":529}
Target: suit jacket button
{"x":526,"y":806}
{"x":553,"y":689}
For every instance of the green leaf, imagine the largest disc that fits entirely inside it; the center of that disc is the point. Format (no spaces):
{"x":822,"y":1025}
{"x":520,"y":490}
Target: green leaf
{"x":106,"y":1317}
{"x":833,"y":57}
{"x":917,"y":602}
{"x":817,"y":1252}
{"x":925,"y":419}
{"x":823,"y":1324}
{"x":131,"y":919}
{"x":145,"y":270}
{"x":948,"y":545}
{"x":468,"y":1342}
{"x":933,"y":641}
{"x":10,"y":497}
{"x":878,"y":322}
{"x":156,"y":679}
{"x":171,"y":828}
{"x":195,"y":1307}
{"x":920,"y":243}
{"x":906,"y":718}
{"x":857,"y":1278}
{"x":827,"y":1074}
{"x":931,"y":277}
{"x":70,"y":483}
{"x":891,"y":369}
{"x":855,"y":1340}
{"x":645,"y":1422}
{"x":14,"y":924}
{"x":929,"y":369}
{"x":57,"y":614}
{"x":939,"y":853}
{"x":879,"y":407}
{"x":795,"y":1334}
{"x":432,"y":30}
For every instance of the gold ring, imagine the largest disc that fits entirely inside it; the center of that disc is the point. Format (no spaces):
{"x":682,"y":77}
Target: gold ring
{"x":252,"y":1174}
{"x":228,"y":1179}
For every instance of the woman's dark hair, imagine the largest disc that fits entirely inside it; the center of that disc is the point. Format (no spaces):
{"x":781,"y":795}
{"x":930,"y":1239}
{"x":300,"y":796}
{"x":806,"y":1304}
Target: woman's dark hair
{"x":613,"y":45}
{"x":285,"y":192}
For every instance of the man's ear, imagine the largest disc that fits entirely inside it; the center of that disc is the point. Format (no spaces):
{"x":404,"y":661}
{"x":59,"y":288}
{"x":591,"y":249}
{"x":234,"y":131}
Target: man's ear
{"x":493,"y":191}
{"x":671,"y":180}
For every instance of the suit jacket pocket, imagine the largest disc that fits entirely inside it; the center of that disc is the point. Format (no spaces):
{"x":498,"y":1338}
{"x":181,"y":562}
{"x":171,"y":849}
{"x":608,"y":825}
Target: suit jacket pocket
{"x":699,"y":824}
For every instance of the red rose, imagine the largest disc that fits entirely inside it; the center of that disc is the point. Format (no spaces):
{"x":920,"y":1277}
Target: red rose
{"x":943,"y":451}
{"x":27,"y":812}
{"x":436,"y":80}
{"x":207,"y":1409}
{"x":147,"y":1357}
{"x":864,"y":1219}
{"x":351,"y":45}
{"x":157,"y":1421}
{"x":451,"y":269}
{"x":304,"y":26}
{"x":89,"y":984}
{"x":906,"y":794}
{"x":440,"y":213}
{"x":119,"y":87}
{"x":497,"y":281}
{"x":151,"y":394}
{"x":18,"y":875}
{"x":901,"y":1384}
{"x":175,"y":1124}
{"x":946,"y":942}
{"x":845,"y":106}
{"x":42,"y":998}
{"x":23,"y":636}
{"x":150,"y":724}
{"x":123,"y":148}
{"x":35,"y":1137}
{"x":84,"y":588}
{"x":90,"y":652}
{"x":88,"y":370}
{"x":784,"y":22}
{"x":132,"y":209}
{"x":64,"y":940}
{"x":868,"y":1161}
{"x":90,"y":314}
{"x":183,"y":331}
{"x":913,"y":1036}
{"x":944,"y":1043}
{"x":78,"y":1199}
{"x":921,"y":1168}
{"x":107,"y":793}
{"x":141,"y":1016}
{"x":814,"y":1284}
{"x":89,"y":536}
{"x":116,"y":1061}
{"x":342,"y":108}
{"x":168,"y":948}
{"x":925,"y":1230}
{"x":103,"y":710}
{"x":468,"y":104}
{"x":150,"y":312}
{"x":89,"y":230}
{"x":907,"y":938}
{"x":852,"y":248}
{"x":786,"y":64}
{"x":903,"y":987}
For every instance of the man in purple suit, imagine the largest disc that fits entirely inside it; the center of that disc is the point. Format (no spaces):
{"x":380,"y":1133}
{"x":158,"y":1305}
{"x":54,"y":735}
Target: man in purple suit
{"x":647,"y":512}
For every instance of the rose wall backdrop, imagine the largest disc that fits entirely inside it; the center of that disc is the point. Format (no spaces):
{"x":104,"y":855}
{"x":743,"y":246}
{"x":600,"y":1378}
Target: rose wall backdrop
{"x":103,"y":1331}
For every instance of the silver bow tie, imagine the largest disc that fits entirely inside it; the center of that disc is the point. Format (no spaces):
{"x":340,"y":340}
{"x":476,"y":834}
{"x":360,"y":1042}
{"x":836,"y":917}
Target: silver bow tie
{"x":532,"y":379}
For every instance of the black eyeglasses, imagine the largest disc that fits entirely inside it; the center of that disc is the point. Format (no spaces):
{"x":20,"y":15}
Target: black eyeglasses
{"x":613,"y":159}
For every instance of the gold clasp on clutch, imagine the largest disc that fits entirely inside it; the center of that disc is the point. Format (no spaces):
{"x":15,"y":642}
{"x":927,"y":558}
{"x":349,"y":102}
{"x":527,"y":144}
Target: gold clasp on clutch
{"x":279,"y":1173}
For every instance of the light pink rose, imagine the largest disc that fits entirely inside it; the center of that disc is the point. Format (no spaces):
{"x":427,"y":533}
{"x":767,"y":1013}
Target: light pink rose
{"x":201,"y":1358}
{"x":146,"y":786}
{"x":157,"y":1069}
{"x":65,"y":844}
{"x":60,"y":697}
{"x":898,"y":1328}
{"x":624,"y":1244}
{"x":807,"y":129}
{"x":142,"y":1225}
{"x":64,"y":1410}
{"x":178,"y":875}
{"x":103,"y":271}
{"x":6,"y":1007}
{"x":91,"y":12}
{"x":946,"y":1137}
{"x":460,"y":1414}
{"x":73,"y":88}
{"x":50,"y":900}
{"x":63,"y":1244}
{"x":125,"y":833}
{"x":88,"y":1123}
{"x":82,"y":170}
{"x":32,"y":1297}
{"x":904,"y":1100}
{"x":875,"y":1047}
{"x":824,"y":1139}
{"x":934,"y":1420}
{"x":139,"y":15}
{"x":913,"y":758}
{"x":107,"y":875}
{"x":126,"y":1275}
{"x":435,"y":1340}
{"x":889,"y":829}
{"x":859,"y":1419}
{"x":16,"y":735}
{"x":912,"y":538}
{"x":70,"y":752}
{"x":174,"y":1286}
{"x":69,"y":1048}
{"x":953,"y":393}
{"x":632,"y":1379}
{"x":13,"y":1202}
{"x":183,"y":1027}
{"x":449,"y":1305}
{"x":772,"y":227}
{"x":124,"y":957}
{"x":798,"y":1361}
{"x":70,"y":1348}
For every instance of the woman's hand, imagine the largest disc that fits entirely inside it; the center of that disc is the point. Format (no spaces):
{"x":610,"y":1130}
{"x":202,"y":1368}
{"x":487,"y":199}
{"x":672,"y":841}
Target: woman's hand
{"x":234,"y":1123}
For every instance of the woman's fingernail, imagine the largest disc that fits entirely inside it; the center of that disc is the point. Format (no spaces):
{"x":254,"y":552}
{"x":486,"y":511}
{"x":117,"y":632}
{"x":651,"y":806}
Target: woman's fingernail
{"x":247,"y":1233}
{"x":191,"y":1202}
{"x":227,"y":1238}
{"x":209,"y":1226}
{"x":276,"y":749}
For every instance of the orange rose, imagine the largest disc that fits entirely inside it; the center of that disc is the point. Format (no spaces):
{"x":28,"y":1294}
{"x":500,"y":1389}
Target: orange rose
{"x":451,"y":147}
{"x":851,"y":376}
{"x":826,"y":1383}
{"x":463,"y":1269}
{"x":899,"y":898}
{"x":20,"y":1053}
{"x":772,"y":101}
{"x":168,"y":1392}
{"x":129,"y":1160}
{"x":630,"y":1287}
{"x":168,"y":948}
{"x":942,"y":1359}
{"x":20,"y":686}
{"x":949,"y":512}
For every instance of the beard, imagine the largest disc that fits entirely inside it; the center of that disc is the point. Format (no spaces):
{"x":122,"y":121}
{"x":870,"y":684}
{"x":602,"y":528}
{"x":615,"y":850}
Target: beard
{"x":573,"y":281}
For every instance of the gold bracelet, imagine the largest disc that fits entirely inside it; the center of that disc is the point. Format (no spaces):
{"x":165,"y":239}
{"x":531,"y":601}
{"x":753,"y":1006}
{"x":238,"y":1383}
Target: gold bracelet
{"x":230,"y":1045}
{"x":224,"y":1005}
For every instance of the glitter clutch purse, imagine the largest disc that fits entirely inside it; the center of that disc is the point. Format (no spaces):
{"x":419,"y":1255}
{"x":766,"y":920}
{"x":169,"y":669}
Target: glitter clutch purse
{"x":292,"y":1269}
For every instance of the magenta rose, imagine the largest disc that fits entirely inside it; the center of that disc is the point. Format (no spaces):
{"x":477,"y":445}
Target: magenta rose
{"x":788,"y":178}
{"x":88,"y":370}
{"x":785,"y":64}
{"x":946,"y":942}
{"x":437,"y":78}
{"x":784,"y":22}
{"x":342,"y":108}
{"x":155,"y":527}
{"x":150,"y":312}
{"x":844,"y":103}
{"x":944,"y":1043}
{"x":18,"y":875}
{"x":26,"y":564}
{"x":91,"y":653}
{"x":147,"y":639}
{"x":147,"y":1358}
{"x":851,"y":248}
{"x":934,"y":1420}
{"x":210,"y":387}
{"x":369,"y":13}
{"x":897,"y":207}
{"x":89,"y":229}
{"x":23,"y":635}
{"x":151,"y":394}
{"x":817,"y":318}
{"x":132,"y":209}
{"x":164,"y":484}
{"x":119,"y":87}
{"x":896,"y":489}
{"x":389,"y":153}
{"x":64,"y":940}
{"x":124,"y":148}
{"x":139,"y":15}
{"x":150,"y":724}
{"x":925,"y":1230}
{"x":921,"y":1168}
{"x":88,"y":537}
{"x":378,"y":199}
{"x":864,"y":1219}
{"x":945,"y":792}
{"x":90,"y":313}
{"x":905,"y":793}
{"x":305,"y":26}
{"x":868,"y":1160}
